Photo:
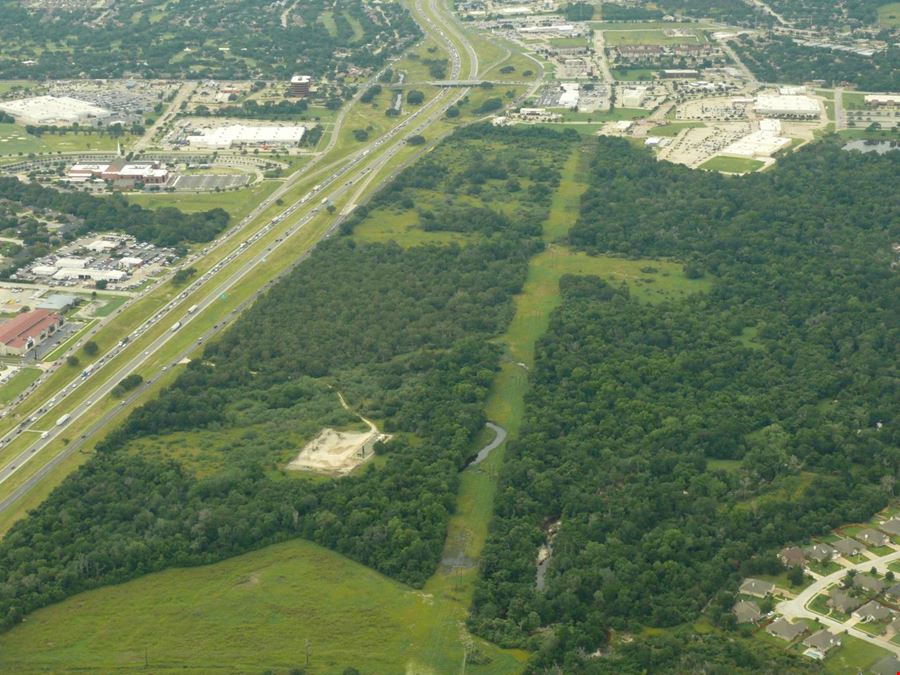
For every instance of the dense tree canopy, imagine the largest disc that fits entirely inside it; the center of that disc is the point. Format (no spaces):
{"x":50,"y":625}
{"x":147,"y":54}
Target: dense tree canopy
{"x":786,"y":367}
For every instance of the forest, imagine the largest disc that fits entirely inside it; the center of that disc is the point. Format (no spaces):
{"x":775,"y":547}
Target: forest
{"x":404,"y":334}
{"x":777,"y":58}
{"x":786,"y":368}
{"x":195,"y":39}
{"x":167,"y":226}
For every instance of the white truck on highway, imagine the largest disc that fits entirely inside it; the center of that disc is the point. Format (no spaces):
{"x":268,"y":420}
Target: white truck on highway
{"x":62,"y":420}
{"x":192,"y":309}
{"x":176,"y":326}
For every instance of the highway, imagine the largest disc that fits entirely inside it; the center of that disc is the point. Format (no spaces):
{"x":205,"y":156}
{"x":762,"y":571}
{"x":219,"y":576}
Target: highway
{"x":360,"y":167}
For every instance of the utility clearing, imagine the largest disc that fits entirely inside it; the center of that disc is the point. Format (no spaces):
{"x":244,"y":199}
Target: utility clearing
{"x":339,"y":452}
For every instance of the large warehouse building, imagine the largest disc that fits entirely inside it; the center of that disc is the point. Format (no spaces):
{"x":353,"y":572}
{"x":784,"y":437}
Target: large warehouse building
{"x":236,"y":135}
{"x":793,"y":106}
{"x":59,"y":111}
{"x":26,"y":331}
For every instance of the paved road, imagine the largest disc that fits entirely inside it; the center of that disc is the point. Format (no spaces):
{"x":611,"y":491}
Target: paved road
{"x":796,"y":607}
{"x":334,"y":187}
{"x":840,"y":120}
{"x":499,"y":437}
{"x":174,"y":107}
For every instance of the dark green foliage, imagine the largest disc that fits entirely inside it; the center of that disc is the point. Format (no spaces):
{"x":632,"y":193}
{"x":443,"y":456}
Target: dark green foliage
{"x":629,"y":401}
{"x":184,"y":42}
{"x":416,"y":139}
{"x":729,"y":11}
{"x":269,"y":110}
{"x":90,"y":348}
{"x":489,"y":105}
{"x":6,"y":118}
{"x":128,"y":383}
{"x":613,"y":12}
{"x":415,"y":97}
{"x":164,"y":227}
{"x":182,"y":275}
{"x":578,"y":11}
{"x":452,"y":112}
{"x":370,"y":93}
{"x":778,"y":58}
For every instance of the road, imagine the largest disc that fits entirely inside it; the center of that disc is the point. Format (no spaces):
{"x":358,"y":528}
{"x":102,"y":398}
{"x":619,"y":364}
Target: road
{"x":840,"y":120}
{"x":182,"y":95}
{"x":602,"y":61}
{"x":363,"y":165}
{"x":795,"y":608}
{"x":499,"y":437}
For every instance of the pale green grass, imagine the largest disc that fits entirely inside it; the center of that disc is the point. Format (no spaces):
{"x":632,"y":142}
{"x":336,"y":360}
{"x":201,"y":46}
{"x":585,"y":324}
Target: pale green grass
{"x":382,"y":225}
{"x":732,"y":164}
{"x":889,"y":15}
{"x":7,"y":85}
{"x":113,"y":303}
{"x":250,"y":613}
{"x":674,"y":128}
{"x":854,"y":100}
{"x":569,"y":42}
{"x":647,"y":37}
{"x":326,"y":18}
{"x":633,"y":74}
{"x":18,"y":383}
{"x":728,"y":465}
{"x":853,"y":656}
{"x":14,"y":140}
{"x":238,"y":203}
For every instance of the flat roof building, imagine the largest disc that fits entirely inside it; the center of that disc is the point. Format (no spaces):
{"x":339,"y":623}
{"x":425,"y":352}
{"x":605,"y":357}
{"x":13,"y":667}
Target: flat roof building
{"x":241,"y":134}
{"x":300,"y":85}
{"x":54,"y":111}
{"x":58,"y":302}
{"x":26,"y":331}
{"x":777,"y":105}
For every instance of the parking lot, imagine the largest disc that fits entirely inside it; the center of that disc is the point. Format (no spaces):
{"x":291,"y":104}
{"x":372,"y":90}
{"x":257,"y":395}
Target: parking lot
{"x":208,"y":183}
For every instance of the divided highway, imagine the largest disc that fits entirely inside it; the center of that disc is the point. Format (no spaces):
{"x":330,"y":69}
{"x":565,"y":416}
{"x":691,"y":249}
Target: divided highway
{"x":174,"y":319}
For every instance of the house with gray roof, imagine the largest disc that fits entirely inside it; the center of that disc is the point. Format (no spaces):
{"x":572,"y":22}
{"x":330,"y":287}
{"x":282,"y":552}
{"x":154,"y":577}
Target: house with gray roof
{"x":872,"y":611}
{"x":868,"y":582}
{"x":892,"y":527}
{"x":889,"y":665}
{"x":756,"y":587}
{"x":792,"y":556}
{"x":842,"y":601}
{"x":873,"y":538}
{"x":848,"y":547}
{"x":820,"y":553}
{"x":784,"y":629}
{"x":746,"y":611}
{"x":893,"y":592}
{"x":822,"y":641}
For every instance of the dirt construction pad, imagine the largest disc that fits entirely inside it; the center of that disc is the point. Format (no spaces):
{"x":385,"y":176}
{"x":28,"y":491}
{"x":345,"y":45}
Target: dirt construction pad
{"x":336,"y":452}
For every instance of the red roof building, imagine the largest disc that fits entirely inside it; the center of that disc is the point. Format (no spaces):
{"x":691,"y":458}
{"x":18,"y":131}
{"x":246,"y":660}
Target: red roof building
{"x":27,"y":331}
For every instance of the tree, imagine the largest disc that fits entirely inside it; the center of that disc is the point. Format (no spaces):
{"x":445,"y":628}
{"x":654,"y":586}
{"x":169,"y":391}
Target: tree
{"x":72,"y":361}
{"x":416,"y":139}
{"x":415,"y":97}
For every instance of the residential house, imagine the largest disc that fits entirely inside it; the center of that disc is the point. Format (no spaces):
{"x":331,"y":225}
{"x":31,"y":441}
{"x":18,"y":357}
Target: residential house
{"x":872,"y":611}
{"x":756,"y":587}
{"x":895,"y":625}
{"x":873,"y":538}
{"x":893,"y":592}
{"x":792,"y":556}
{"x":822,"y":641}
{"x":848,"y":547}
{"x":868,"y":582}
{"x":889,"y":665}
{"x":821,"y":553}
{"x":747,"y":611}
{"x":892,"y":527}
{"x":784,"y":629}
{"x":842,"y":601}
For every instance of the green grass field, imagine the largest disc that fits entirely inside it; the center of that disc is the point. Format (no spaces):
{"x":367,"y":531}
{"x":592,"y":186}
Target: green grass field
{"x":251,"y":613}
{"x":613,"y":115}
{"x":674,"y":128}
{"x":7,"y":85}
{"x":18,"y":383}
{"x":565,"y":42}
{"x":732,"y":164}
{"x":14,"y":140}
{"x":853,"y":656}
{"x":889,"y":15}
{"x":854,"y":100}
{"x":238,"y":203}
{"x":649,"y":37}
{"x":113,"y":303}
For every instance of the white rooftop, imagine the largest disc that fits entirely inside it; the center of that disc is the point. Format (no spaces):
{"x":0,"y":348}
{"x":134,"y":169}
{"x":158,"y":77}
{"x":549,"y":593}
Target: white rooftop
{"x":233,"y":134}
{"x":53,"y":110}
{"x":791,"y":104}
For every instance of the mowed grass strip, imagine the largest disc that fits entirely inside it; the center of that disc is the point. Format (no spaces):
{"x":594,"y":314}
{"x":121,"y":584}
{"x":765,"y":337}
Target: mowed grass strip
{"x":732,"y":164}
{"x":249,"y":613}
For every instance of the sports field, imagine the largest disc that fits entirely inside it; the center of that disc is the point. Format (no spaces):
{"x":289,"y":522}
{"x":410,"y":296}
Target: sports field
{"x":732,"y":164}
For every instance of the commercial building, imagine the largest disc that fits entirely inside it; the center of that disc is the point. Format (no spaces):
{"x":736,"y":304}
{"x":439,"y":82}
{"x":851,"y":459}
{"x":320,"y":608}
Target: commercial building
{"x":882,"y":99}
{"x":58,"y":302}
{"x":233,"y":135}
{"x":300,"y":85}
{"x":148,"y":173}
{"x":27,"y":331}
{"x":571,"y":95}
{"x":777,"y":105}
{"x":54,"y":111}
{"x":763,"y":143}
